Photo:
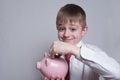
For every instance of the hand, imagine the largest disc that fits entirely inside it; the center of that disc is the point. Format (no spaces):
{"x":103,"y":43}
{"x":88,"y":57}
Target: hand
{"x":59,"y":48}
{"x":57,"y":78}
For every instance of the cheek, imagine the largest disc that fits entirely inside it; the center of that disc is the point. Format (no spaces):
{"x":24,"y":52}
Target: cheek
{"x":59,"y":35}
{"x":78,"y":36}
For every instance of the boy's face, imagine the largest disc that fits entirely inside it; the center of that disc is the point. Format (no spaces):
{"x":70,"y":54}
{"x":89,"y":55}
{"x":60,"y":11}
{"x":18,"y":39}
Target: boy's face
{"x":71,"y":32}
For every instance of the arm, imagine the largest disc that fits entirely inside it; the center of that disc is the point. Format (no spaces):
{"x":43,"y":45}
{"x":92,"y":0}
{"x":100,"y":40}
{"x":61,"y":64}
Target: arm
{"x":62,"y":48}
{"x":100,"y":62}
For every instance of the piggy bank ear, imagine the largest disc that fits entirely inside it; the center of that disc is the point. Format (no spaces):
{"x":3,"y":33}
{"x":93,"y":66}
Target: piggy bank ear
{"x":46,"y":54}
{"x":46,"y":62}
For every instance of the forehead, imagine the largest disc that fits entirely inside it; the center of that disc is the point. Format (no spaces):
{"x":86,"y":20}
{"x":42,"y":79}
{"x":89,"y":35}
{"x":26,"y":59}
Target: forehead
{"x":68,"y":20}
{"x":69,"y":25}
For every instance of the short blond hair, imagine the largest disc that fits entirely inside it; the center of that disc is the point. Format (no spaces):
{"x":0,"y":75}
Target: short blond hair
{"x":71,"y":13}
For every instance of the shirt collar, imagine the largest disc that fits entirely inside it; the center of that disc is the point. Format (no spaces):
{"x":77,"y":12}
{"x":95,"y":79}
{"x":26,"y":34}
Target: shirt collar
{"x":79,"y":44}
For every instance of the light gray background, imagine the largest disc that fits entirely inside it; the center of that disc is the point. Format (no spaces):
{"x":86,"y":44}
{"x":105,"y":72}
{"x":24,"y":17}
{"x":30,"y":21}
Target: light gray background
{"x":27,"y":29}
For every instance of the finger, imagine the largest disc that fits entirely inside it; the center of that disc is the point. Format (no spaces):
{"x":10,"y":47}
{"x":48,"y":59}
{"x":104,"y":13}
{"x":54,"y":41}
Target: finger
{"x":51,"y":47}
{"x":63,"y":78}
{"x":52,"y":54}
{"x":45,"y":78}
{"x":51,"y":51}
{"x":52,"y":78}
{"x":58,"y":78}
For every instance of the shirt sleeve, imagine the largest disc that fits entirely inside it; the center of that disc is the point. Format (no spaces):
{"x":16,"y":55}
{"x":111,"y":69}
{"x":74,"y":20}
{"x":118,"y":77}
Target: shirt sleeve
{"x":100,"y":62}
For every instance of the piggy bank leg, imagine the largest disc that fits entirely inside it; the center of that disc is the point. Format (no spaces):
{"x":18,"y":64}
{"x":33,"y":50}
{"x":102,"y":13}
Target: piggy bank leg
{"x":45,"y":78}
{"x":63,"y":78}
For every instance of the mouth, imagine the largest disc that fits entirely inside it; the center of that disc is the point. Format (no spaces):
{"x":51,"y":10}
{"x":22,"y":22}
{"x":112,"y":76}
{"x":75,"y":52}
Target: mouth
{"x":67,"y":40}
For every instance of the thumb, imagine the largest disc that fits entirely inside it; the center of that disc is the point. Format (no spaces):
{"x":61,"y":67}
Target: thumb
{"x":52,"y":53}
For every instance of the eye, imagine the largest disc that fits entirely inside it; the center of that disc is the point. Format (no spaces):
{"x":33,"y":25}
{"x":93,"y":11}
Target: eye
{"x":61,"y":29}
{"x":73,"y":29}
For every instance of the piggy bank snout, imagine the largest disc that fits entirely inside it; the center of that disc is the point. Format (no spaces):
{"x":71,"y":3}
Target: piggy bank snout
{"x":38,"y":65}
{"x":43,"y":63}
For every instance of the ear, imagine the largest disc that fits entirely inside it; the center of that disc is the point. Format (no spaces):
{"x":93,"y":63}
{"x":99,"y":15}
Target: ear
{"x":84,"y":31}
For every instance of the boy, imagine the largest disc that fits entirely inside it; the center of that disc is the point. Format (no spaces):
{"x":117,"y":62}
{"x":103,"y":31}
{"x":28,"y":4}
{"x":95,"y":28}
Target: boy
{"x":87,"y":62}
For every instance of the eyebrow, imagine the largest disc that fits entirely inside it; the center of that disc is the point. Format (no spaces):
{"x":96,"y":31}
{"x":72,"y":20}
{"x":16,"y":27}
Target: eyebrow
{"x":74,"y":25}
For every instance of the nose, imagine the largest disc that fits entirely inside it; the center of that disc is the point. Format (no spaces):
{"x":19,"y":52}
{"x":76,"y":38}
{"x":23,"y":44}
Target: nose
{"x":66,"y":33}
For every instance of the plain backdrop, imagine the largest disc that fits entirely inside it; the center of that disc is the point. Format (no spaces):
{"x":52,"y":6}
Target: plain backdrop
{"x":27,"y":29}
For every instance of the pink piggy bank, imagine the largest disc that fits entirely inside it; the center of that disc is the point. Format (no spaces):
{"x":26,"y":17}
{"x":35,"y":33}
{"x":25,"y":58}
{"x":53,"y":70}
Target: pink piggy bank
{"x":53,"y":67}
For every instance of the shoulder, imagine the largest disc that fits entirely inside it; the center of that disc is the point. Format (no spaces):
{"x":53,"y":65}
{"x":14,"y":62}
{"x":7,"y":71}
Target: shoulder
{"x":93,"y":47}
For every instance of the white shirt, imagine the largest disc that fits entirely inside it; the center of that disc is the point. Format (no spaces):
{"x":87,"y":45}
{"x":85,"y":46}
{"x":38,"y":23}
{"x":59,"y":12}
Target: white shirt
{"x":92,"y":63}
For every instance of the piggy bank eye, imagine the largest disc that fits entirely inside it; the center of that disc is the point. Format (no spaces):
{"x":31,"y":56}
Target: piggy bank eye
{"x":46,"y":63}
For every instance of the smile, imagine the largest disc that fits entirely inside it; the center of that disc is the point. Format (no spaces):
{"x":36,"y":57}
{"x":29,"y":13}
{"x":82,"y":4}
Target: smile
{"x":66,"y":40}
